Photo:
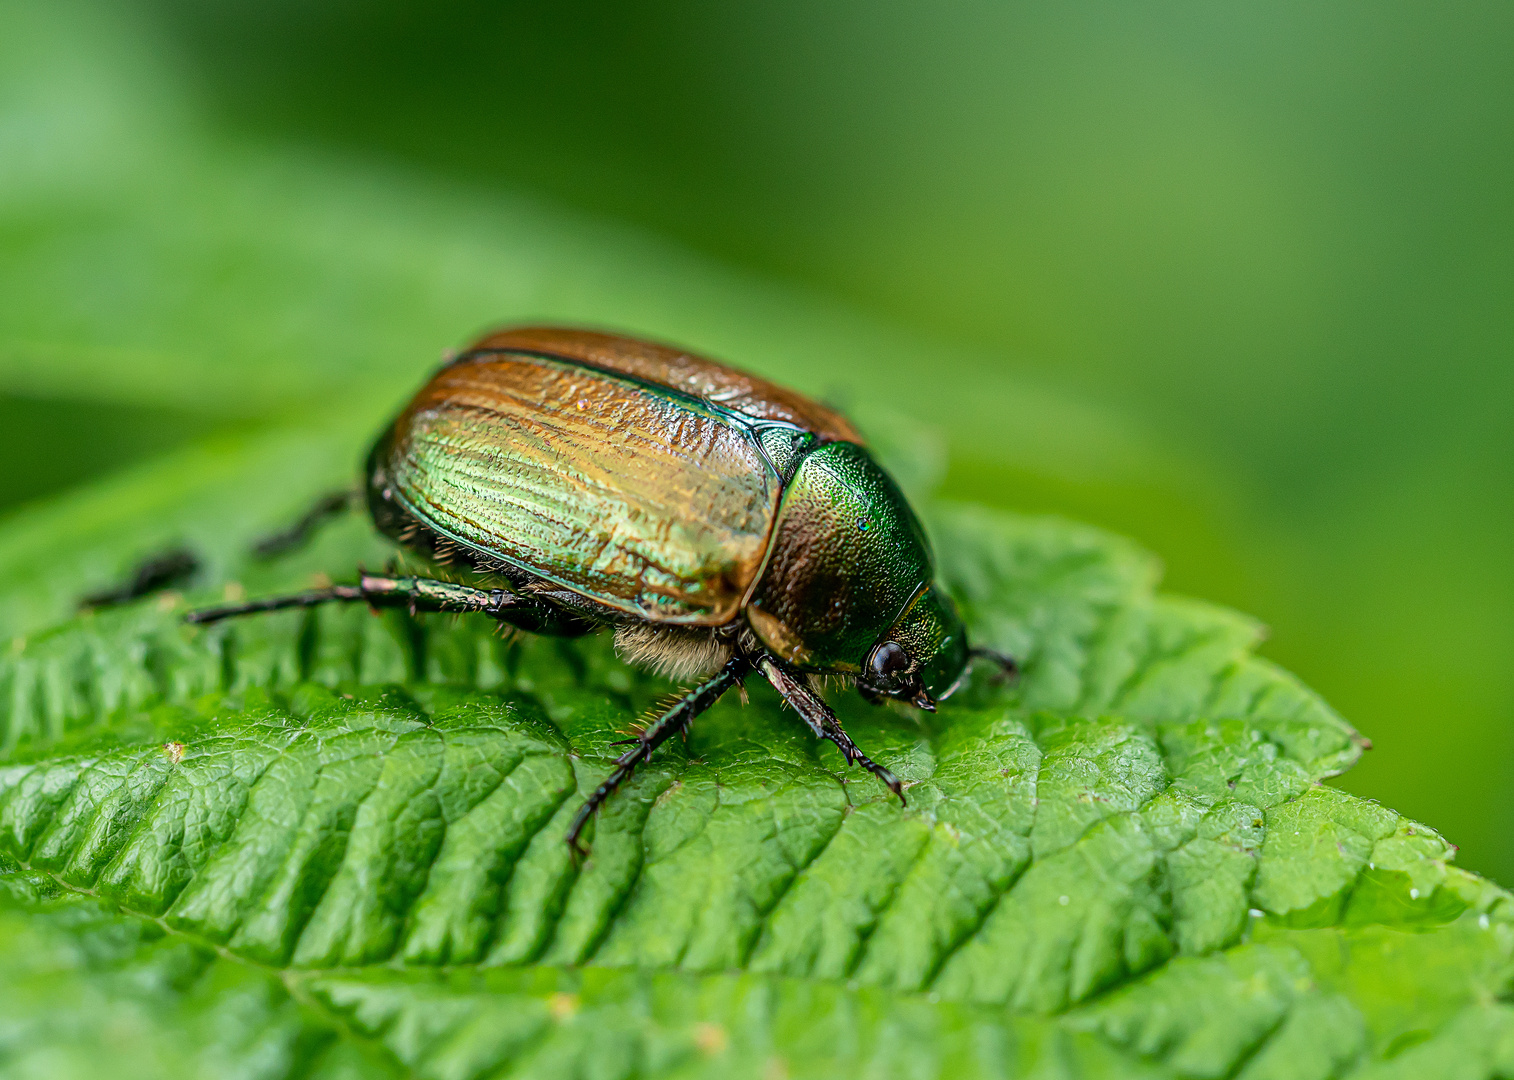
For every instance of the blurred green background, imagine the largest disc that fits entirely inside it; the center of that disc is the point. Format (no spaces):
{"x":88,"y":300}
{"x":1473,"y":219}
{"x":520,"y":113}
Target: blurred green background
{"x":1233,"y":279}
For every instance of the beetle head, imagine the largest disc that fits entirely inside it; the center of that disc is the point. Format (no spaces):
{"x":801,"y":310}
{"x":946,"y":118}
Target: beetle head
{"x":920,"y":659}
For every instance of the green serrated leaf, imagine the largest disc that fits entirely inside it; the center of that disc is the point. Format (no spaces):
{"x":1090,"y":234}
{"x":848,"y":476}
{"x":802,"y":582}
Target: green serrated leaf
{"x":338,"y":836}
{"x":329,"y":844}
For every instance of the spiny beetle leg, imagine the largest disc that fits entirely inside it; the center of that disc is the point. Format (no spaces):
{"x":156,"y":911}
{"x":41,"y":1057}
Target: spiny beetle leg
{"x":676,"y":718}
{"x":327,"y":506}
{"x":823,"y":722}
{"x":417,"y":594}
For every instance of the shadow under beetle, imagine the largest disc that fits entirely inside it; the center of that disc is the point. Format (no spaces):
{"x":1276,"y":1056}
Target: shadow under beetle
{"x":721,"y":524}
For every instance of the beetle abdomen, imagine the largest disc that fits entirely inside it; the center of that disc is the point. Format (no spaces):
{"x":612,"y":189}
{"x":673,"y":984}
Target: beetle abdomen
{"x":643,"y":499}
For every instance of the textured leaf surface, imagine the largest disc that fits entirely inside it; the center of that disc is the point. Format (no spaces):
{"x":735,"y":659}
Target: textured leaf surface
{"x":329,"y":843}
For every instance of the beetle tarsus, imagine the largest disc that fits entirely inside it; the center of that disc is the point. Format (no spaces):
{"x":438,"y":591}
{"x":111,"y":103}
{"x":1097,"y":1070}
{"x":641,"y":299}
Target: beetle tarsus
{"x":677,"y":718}
{"x":297,"y":535}
{"x":886,"y":776}
{"x":313,"y":597}
{"x":817,"y":714}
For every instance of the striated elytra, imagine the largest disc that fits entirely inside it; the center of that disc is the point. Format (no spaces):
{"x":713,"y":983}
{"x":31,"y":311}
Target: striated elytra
{"x":721,"y":524}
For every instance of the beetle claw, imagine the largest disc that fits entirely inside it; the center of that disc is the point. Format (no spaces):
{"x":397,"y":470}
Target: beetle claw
{"x":890,"y":781}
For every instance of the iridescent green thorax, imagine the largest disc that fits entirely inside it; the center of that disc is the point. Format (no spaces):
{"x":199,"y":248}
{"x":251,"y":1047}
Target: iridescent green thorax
{"x":847,"y":556}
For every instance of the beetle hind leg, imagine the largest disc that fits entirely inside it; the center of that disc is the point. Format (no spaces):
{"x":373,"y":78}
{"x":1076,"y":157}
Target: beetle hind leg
{"x":823,"y":722}
{"x":676,"y":718}
{"x":417,"y":594}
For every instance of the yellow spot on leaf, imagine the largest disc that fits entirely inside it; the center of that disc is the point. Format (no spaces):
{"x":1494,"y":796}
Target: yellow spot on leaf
{"x":562,"y":1006}
{"x":710,"y":1038}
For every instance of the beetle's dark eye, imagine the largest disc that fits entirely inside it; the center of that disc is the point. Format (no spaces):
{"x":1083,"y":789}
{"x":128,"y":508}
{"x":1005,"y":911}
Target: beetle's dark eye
{"x":889,"y":659}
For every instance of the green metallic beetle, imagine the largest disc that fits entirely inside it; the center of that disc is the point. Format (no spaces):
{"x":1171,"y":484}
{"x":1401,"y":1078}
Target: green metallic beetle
{"x":721,"y":524}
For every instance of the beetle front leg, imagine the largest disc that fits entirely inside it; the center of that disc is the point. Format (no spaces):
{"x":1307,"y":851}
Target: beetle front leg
{"x":823,"y":722}
{"x":673,"y":720}
{"x":417,"y":594}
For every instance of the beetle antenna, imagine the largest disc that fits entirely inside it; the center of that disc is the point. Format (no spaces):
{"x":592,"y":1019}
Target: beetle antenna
{"x":1008,"y":668}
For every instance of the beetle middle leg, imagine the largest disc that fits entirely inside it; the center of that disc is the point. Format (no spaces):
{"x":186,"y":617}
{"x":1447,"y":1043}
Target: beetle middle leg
{"x":673,"y":720}
{"x":823,"y":722}
{"x":297,"y":535}
{"x":153,"y":574}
